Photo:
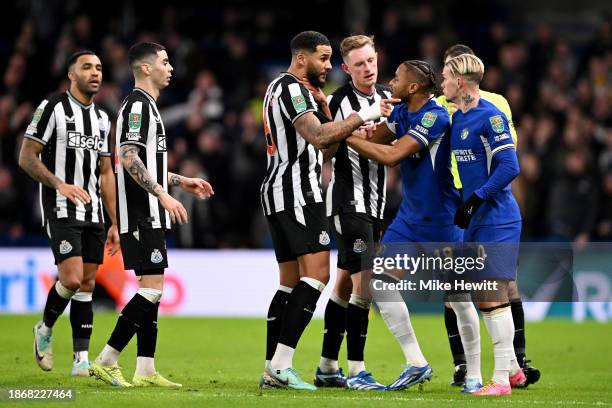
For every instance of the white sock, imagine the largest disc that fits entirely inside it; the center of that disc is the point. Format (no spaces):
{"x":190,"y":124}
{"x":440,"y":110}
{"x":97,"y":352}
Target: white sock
{"x":469,"y":330}
{"x":63,"y":291}
{"x":514,"y":365}
{"x":328,"y":366}
{"x":359,"y":301}
{"x":152,"y":295}
{"x":355,"y":367}
{"x":108,"y":356}
{"x":145,"y":366}
{"x":83,"y":296}
{"x":45,"y":330}
{"x":338,"y":300}
{"x":312,"y":282}
{"x":283,"y":357}
{"x":396,"y":316}
{"x":81,"y":356}
{"x":266,"y":365}
{"x":500,"y":326}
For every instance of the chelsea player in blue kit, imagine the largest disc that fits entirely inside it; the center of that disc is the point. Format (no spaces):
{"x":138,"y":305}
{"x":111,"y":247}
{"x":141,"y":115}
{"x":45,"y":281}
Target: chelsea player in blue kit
{"x":420,"y":128}
{"x":487,"y":163}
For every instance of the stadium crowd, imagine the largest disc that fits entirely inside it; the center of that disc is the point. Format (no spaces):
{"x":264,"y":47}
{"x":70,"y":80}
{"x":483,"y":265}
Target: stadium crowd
{"x":559,"y":89}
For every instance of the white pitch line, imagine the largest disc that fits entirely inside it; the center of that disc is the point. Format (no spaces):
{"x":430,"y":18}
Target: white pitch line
{"x":361,"y":398}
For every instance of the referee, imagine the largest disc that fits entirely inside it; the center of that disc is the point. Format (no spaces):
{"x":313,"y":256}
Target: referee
{"x":66,"y":149}
{"x":145,"y":212}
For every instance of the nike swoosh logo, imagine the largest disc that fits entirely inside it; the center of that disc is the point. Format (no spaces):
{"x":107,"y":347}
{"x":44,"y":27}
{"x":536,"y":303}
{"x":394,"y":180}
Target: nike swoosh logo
{"x":452,"y":335}
{"x":271,"y":319}
{"x":39,"y":357}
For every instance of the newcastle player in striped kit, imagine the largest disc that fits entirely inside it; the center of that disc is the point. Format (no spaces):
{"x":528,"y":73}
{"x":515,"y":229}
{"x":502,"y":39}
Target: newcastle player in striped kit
{"x":66,"y":149}
{"x":292,"y":197}
{"x":145,"y":210}
{"x":355,"y":205}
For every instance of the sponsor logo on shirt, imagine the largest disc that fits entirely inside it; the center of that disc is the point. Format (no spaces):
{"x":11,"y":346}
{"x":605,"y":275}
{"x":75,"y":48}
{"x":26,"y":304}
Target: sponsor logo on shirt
{"x":77,"y":140}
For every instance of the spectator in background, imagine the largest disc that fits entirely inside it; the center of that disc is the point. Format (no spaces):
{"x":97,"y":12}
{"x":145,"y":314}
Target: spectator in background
{"x":573,"y":201}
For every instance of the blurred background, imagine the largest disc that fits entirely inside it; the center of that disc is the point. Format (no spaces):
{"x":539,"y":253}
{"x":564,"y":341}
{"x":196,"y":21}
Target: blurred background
{"x":552,"y":61}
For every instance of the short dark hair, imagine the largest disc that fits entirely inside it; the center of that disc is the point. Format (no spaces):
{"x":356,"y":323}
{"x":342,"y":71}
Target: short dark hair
{"x":308,"y":41}
{"x":425,"y":72}
{"x":456,"y":50}
{"x":142,"y":50}
{"x":72,"y":59}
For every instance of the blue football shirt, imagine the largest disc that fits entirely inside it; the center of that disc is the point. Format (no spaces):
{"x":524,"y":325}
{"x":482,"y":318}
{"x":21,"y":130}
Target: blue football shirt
{"x":429,"y":196}
{"x":476,"y":137}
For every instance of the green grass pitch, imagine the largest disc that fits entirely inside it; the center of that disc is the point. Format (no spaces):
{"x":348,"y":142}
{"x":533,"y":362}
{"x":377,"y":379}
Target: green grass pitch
{"x":219,"y":362}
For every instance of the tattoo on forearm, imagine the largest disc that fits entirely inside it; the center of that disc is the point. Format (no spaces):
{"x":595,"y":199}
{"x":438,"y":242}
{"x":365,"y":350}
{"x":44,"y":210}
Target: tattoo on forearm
{"x":333,"y":132}
{"x":138,"y":171}
{"x":38,"y":171}
{"x":175,"y":180}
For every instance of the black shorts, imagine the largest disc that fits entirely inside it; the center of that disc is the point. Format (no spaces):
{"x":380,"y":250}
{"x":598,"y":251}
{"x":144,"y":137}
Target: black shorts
{"x":299,"y":231}
{"x":144,"y":251}
{"x":357,"y":236}
{"x":69,"y":237}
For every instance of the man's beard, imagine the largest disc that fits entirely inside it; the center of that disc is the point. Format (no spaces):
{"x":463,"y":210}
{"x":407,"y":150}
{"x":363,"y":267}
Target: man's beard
{"x":313,"y":78}
{"x":84,"y":87}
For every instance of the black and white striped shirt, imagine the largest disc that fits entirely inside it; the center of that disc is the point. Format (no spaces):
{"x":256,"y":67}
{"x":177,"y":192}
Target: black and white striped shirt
{"x":357,"y":183}
{"x":74,"y":137}
{"x":293,"y":176}
{"x":140,"y":124}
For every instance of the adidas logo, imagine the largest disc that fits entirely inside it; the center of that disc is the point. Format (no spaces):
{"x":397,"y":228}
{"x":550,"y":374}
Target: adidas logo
{"x":156,"y":256}
{"x":65,"y":247}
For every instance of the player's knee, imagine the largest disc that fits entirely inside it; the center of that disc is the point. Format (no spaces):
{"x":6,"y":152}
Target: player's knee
{"x":88,"y":285}
{"x":72,"y":283}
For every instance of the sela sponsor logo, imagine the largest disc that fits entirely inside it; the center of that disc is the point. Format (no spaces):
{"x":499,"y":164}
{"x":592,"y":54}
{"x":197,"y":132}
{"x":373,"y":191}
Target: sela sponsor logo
{"x":324,"y":238}
{"x":359,"y":246}
{"x":65,"y":247}
{"x":77,"y":140}
{"x":156,"y":256}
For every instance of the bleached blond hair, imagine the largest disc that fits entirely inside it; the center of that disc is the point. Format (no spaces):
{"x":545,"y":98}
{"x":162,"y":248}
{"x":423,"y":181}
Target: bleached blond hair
{"x":468,"y":66}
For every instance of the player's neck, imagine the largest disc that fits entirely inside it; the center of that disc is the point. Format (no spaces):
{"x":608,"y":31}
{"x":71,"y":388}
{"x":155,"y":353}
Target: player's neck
{"x":296,"y":72}
{"x":469,"y":99}
{"x":148,"y":88}
{"x":366,"y":90}
{"x":416,"y":102}
{"x":83,"y":98}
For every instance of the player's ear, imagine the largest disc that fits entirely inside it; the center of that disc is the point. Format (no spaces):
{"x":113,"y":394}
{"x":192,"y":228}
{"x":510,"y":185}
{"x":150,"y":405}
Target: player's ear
{"x":71,"y":75}
{"x":345,"y":68}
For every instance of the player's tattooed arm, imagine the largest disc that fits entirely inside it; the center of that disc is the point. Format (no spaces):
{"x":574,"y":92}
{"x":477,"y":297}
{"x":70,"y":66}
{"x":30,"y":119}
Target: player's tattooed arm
{"x":132,"y":163}
{"x":174,"y":179}
{"x":324,"y":135}
{"x":31,"y":164}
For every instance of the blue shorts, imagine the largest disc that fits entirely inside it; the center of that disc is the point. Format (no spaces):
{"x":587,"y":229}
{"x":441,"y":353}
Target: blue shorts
{"x":499,"y":245}
{"x":401,"y":231}
{"x":416,"y":240}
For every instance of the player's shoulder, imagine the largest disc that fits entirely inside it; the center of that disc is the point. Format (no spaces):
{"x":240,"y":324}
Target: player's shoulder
{"x":433,"y":108}
{"x":53,"y":99}
{"x":383,"y":90}
{"x":341,"y":92}
{"x":486,"y":107}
